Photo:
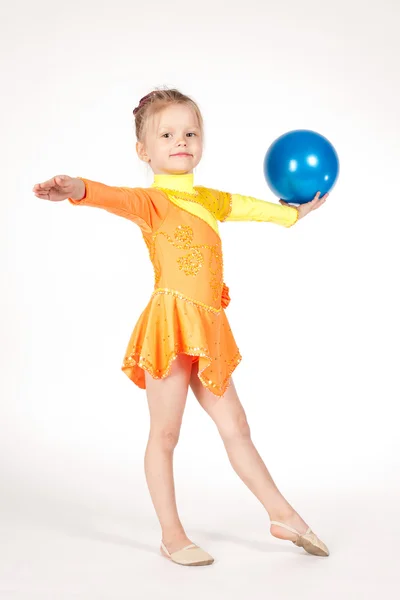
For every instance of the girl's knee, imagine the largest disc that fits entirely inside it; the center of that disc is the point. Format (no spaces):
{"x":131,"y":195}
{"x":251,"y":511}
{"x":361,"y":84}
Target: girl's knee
{"x":166,"y":437}
{"x":237,"y":428}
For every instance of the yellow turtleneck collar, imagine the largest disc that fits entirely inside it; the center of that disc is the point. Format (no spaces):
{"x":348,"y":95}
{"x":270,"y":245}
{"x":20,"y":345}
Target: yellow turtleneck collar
{"x":181,"y":183}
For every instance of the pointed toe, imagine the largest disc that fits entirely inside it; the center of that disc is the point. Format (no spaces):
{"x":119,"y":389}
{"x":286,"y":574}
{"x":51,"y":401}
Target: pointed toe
{"x":308,"y":540}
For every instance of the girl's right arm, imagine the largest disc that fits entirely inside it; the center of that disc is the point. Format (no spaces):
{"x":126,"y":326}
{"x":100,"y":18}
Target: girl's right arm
{"x":143,"y":206}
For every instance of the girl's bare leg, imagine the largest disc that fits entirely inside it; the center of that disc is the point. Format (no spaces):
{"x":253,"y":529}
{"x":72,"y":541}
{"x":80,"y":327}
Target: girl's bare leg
{"x":228,"y":415}
{"x":166,"y":401}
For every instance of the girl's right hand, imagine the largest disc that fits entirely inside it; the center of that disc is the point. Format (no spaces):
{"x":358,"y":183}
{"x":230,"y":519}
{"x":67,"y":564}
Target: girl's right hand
{"x":59,"y":188}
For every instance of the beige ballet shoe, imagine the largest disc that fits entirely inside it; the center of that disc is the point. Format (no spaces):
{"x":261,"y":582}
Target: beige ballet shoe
{"x":308,"y":540}
{"x":190,"y":556}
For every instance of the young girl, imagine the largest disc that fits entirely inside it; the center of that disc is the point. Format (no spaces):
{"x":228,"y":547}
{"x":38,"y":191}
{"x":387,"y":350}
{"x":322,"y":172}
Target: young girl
{"x":183,"y":336}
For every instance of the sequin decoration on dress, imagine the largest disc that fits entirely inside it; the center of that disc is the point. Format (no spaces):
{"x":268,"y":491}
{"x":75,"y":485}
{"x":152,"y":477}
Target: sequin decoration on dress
{"x":186,"y":311}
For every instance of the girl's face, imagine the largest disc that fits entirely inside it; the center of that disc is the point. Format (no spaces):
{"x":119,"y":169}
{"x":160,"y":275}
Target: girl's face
{"x":173,"y":142}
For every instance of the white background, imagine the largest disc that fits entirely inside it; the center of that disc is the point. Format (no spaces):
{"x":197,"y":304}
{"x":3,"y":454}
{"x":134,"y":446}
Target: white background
{"x":314,"y":308}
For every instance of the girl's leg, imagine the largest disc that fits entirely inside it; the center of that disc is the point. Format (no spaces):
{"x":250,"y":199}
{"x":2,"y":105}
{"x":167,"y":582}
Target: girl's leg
{"x":166,"y":401}
{"x":228,"y":415}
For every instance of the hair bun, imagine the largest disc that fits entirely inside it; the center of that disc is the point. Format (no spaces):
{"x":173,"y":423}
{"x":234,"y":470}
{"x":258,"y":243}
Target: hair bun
{"x":143,"y":101}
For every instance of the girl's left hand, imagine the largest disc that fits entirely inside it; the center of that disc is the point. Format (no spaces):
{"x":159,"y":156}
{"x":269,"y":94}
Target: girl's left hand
{"x":307,"y":207}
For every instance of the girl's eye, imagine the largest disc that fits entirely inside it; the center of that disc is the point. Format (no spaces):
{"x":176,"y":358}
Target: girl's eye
{"x":167,"y":134}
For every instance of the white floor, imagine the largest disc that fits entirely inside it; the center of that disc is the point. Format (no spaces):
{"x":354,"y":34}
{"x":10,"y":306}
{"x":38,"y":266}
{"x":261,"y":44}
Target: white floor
{"x":63,"y":546}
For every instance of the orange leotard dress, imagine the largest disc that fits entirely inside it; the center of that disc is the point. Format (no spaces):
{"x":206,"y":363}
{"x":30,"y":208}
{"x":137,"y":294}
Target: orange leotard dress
{"x":186,"y":310}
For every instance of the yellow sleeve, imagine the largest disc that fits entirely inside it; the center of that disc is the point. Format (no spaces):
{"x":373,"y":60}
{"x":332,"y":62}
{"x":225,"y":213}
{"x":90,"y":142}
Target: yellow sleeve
{"x":246,"y":208}
{"x":217,"y":202}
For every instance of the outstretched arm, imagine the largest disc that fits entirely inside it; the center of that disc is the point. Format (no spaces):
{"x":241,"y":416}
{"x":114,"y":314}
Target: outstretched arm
{"x":136,"y":204}
{"x":247,"y":208}
{"x":307,"y":207}
{"x":144,"y":206}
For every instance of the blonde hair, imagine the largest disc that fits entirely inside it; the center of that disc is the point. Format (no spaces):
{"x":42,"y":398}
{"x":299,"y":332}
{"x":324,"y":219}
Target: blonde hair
{"x":155,"y":102}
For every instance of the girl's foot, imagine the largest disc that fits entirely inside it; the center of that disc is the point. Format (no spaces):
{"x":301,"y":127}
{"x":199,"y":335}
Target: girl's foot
{"x":173,"y":544}
{"x":292,"y":527}
{"x":292,"y":519}
{"x":184,"y":552}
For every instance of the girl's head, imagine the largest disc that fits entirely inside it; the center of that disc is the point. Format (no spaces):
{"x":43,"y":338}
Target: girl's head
{"x":169,"y":131}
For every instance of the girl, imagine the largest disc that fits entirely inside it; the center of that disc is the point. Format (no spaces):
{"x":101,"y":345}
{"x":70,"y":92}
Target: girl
{"x":183,"y":337}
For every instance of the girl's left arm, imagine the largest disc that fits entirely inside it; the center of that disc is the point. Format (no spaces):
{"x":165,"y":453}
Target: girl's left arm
{"x":247,"y":208}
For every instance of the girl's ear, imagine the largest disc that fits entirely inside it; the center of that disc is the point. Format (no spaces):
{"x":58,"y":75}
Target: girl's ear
{"x":141,"y":152}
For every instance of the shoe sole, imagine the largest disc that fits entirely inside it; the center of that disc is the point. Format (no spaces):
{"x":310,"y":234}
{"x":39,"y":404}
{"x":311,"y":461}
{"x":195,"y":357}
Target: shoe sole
{"x":312,"y":549}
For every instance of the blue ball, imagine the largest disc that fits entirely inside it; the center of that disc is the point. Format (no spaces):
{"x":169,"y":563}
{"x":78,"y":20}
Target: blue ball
{"x":299,"y":164}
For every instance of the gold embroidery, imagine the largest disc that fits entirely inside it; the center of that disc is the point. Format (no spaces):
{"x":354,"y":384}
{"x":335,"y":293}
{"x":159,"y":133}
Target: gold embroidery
{"x":217,"y":203}
{"x":191,"y":263}
{"x":217,"y":200}
{"x":136,"y":359}
{"x":187,"y":299}
{"x":216,"y":281}
{"x":150,"y":243}
{"x":184,"y":235}
{"x":227,"y":209}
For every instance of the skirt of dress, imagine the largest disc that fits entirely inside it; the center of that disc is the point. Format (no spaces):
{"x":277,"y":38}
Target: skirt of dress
{"x":171,"y":325}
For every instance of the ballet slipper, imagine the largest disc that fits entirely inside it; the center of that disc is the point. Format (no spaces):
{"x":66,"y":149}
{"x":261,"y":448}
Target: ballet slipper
{"x":308,"y":540}
{"x":190,"y":556}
